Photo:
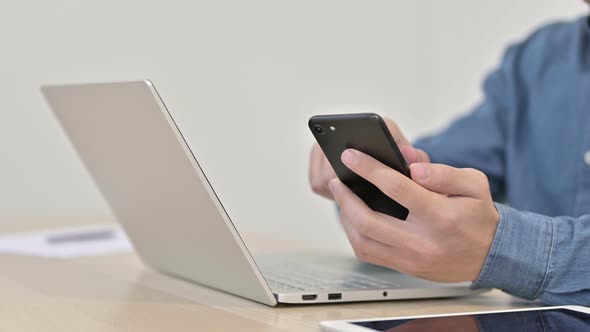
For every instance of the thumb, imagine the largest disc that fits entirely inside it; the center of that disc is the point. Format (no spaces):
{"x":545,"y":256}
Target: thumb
{"x":448,"y":180}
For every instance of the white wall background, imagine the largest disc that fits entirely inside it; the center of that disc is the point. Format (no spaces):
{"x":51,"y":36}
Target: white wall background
{"x":242,"y":78}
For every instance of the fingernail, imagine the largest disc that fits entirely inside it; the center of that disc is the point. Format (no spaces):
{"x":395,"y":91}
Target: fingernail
{"x":420,"y":171}
{"x":349,"y":157}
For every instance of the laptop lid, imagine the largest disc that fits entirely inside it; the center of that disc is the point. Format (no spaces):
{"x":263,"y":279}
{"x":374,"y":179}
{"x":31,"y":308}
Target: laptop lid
{"x":154,"y":185}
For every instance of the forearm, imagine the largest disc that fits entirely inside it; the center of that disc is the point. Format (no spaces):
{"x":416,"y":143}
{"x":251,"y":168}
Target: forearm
{"x":534,"y":256}
{"x":479,"y":139}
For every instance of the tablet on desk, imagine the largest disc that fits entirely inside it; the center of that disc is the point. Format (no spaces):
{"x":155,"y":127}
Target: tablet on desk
{"x":564,"y":318}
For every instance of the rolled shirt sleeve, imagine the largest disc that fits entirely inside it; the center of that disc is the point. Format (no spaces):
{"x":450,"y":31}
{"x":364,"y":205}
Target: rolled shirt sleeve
{"x":534,"y":256}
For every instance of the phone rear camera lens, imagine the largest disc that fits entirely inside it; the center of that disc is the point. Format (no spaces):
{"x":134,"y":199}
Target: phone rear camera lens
{"x":318,"y":129}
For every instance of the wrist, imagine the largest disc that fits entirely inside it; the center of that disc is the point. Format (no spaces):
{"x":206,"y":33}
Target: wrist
{"x":486,"y":238}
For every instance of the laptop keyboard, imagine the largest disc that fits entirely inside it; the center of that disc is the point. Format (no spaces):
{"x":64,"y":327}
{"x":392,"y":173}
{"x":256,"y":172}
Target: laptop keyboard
{"x":306,"y":278}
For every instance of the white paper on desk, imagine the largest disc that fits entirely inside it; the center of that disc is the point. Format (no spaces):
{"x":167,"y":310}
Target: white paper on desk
{"x":67,"y":243}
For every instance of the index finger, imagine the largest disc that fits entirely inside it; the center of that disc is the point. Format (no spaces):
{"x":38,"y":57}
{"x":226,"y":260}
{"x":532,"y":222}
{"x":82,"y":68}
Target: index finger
{"x":400,"y":188}
{"x":373,"y":225}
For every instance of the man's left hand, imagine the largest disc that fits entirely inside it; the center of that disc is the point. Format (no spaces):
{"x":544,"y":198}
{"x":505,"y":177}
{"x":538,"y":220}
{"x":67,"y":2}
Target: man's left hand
{"x":449,"y":229}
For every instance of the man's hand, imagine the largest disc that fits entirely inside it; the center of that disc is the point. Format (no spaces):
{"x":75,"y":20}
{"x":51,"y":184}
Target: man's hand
{"x":448,"y":232}
{"x":321,"y":172}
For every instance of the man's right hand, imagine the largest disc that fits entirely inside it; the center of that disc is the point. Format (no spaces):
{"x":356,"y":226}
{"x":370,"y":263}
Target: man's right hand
{"x":321,"y":172}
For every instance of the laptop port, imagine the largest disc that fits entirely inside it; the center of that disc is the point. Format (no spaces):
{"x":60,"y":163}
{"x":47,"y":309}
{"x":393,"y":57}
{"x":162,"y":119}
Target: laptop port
{"x":309,"y":297}
{"x":335,"y":296}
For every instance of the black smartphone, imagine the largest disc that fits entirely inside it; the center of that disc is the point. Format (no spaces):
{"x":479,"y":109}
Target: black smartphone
{"x":366,"y":132}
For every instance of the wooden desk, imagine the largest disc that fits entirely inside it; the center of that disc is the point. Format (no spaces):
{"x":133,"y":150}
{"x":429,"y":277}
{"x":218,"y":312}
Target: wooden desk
{"x":118,"y":293}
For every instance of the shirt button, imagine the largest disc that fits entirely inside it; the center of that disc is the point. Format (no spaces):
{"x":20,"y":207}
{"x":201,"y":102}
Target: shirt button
{"x":587,"y":157}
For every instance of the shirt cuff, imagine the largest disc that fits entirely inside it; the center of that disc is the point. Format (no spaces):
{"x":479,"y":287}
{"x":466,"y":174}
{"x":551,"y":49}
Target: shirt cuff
{"x":518,"y":259}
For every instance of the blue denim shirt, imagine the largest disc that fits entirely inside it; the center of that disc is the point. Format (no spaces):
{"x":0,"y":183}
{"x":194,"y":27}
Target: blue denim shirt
{"x":531,"y":136}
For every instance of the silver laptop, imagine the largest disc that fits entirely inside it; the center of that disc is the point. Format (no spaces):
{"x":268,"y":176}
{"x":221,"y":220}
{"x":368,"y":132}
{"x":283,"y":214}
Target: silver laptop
{"x":146,"y":171}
